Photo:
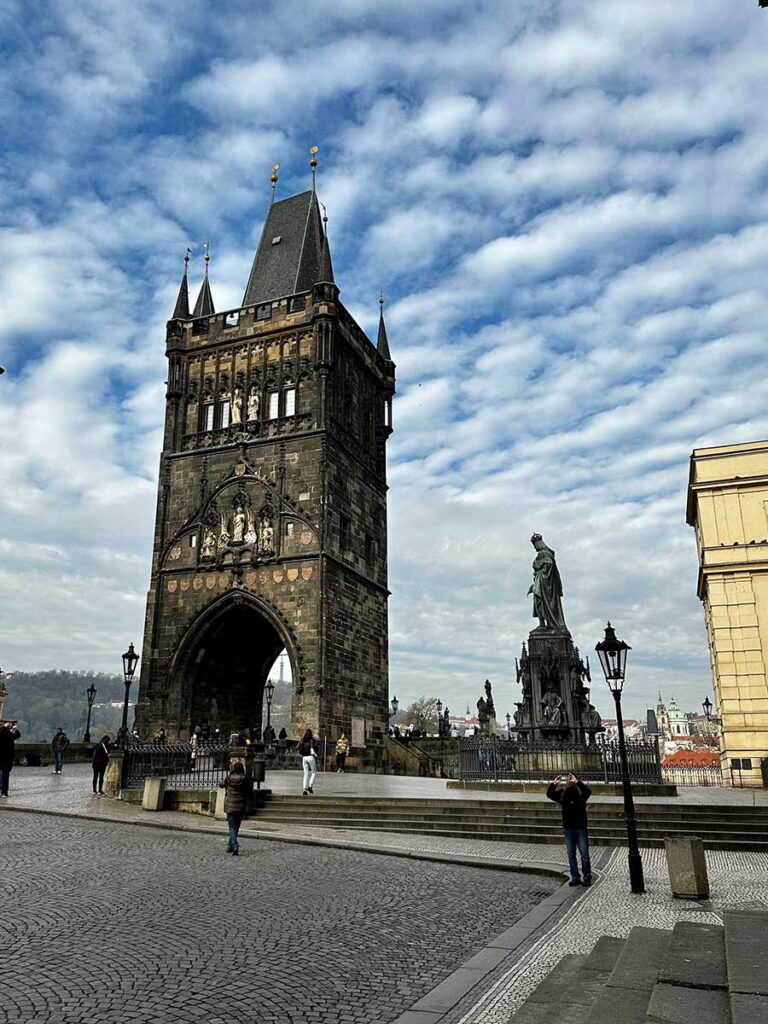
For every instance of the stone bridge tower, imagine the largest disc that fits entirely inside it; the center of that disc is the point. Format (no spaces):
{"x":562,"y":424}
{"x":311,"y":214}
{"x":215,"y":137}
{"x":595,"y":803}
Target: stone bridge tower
{"x":271,"y":526}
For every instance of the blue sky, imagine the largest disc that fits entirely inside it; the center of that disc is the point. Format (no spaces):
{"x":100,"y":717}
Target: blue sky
{"x":565,"y":204}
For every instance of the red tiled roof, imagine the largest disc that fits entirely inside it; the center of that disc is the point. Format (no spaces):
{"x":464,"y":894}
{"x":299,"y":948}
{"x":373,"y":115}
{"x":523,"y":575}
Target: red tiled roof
{"x":692,"y":759}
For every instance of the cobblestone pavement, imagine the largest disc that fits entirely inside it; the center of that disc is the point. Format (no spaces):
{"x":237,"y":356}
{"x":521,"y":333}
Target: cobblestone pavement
{"x":737,"y":880}
{"x":108,"y":923}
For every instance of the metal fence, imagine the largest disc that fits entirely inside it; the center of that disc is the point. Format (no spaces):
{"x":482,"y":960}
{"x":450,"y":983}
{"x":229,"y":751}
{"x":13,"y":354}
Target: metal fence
{"x":182,"y":766}
{"x":493,"y":758}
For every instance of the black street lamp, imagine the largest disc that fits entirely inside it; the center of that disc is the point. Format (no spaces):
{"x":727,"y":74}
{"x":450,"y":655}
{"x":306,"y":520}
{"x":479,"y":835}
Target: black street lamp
{"x":90,"y":694}
{"x":509,"y":723}
{"x":440,"y":719}
{"x":707,"y":705}
{"x":395,"y":705}
{"x":270,"y":688}
{"x":130,"y":661}
{"x":613,"y":659}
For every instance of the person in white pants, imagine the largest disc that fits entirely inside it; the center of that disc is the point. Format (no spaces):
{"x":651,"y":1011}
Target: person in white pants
{"x":307,"y":750}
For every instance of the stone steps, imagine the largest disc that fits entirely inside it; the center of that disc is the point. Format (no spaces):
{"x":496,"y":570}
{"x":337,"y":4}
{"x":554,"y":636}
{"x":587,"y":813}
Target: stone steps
{"x":695,"y":974}
{"x":485,"y":821}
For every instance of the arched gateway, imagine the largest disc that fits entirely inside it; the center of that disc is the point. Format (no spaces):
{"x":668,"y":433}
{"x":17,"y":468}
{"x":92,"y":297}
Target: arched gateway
{"x":271,"y":527}
{"x":221,"y":666}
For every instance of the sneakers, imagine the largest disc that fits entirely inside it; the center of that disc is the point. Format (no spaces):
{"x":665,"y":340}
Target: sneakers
{"x":574,"y":881}
{"x":305,"y":793}
{"x":234,"y":852}
{"x":586,"y":882}
{"x":310,"y":790}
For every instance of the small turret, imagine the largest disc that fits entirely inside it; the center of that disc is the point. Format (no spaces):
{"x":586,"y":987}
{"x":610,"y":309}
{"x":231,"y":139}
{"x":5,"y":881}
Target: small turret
{"x":204,"y":305}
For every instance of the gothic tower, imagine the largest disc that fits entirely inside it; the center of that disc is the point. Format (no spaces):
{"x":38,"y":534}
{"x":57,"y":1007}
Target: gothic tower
{"x":271,"y":526}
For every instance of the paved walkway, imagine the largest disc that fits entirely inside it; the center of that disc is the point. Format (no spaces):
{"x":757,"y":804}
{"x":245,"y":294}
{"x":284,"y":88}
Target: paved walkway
{"x":509,"y":974}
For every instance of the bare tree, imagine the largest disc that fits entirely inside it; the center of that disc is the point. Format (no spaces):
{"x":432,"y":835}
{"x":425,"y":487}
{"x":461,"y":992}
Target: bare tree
{"x":422,"y":714}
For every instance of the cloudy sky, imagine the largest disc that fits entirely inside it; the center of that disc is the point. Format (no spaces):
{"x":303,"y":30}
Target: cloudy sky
{"x":565,"y":203}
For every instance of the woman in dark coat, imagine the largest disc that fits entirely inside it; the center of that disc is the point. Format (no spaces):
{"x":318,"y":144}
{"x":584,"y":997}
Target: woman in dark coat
{"x":100,"y":762}
{"x":235,"y":788}
{"x":8,"y":736}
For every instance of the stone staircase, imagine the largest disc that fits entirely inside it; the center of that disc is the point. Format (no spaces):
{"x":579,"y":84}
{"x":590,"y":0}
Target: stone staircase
{"x":695,"y":974}
{"x":720,"y":827}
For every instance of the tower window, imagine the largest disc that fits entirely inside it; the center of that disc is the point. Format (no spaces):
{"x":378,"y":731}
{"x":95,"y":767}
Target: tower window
{"x":264,"y":312}
{"x":193,"y":540}
{"x":208,"y":416}
{"x":370,"y":548}
{"x":290,"y":529}
{"x":224,"y":413}
{"x":296,"y":303}
{"x":274,"y":405}
{"x":344,"y":533}
{"x":232,"y":319}
{"x":290,"y":401}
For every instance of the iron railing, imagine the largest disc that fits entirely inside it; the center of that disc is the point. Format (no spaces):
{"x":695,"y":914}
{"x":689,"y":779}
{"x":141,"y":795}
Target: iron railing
{"x":493,"y":758}
{"x":181,"y":765}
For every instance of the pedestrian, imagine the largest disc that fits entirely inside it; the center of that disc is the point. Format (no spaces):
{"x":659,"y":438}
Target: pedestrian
{"x":8,"y":736}
{"x":235,"y":788}
{"x":572,"y":795}
{"x":59,"y":745}
{"x":100,"y":762}
{"x":342,"y":749}
{"x":308,"y":754}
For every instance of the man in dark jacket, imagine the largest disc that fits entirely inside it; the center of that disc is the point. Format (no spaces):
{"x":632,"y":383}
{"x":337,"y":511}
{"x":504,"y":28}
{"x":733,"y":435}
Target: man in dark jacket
{"x":59,"y":745}
{"x":572,"y":796}
{"x":8,"y":736}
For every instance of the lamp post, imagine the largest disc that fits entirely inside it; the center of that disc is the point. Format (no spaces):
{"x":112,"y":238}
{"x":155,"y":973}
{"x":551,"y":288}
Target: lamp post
{"x":509,"y":724}
{"x":395,"y":705}
{"x":90,"y":694}
{"x":613,"y":659}
{"x":130,"y":661}
{"x":270,"y":688}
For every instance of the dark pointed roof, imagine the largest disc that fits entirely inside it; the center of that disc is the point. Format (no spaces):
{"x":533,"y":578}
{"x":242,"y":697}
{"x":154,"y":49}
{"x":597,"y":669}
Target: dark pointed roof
{"x":290,"y":252}
{"x":325,"y":273}
{"x":382,"y":344}
{"x":204,"y":304}
{"x":181,"y":309}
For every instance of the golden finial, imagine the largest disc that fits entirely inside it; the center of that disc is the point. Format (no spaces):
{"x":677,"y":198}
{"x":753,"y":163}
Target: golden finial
{"x":313,"y":162}
{"x":274,"y":180}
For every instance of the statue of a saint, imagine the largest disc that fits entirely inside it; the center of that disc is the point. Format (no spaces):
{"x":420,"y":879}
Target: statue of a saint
{"x":209,"y":543}
{"x":553,"y":707}
{"x":594,"y":719}
{"x":266,"y":536}
{"x":547,"y":588}
{"x":489,"y":705}
{"x":238,"y":525}
{"x":237,"y":406}
{"x":253,"y":405}
{"x":482,"y":711}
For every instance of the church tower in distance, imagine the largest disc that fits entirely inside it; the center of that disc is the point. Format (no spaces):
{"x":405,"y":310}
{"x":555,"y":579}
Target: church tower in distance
{"x":271,"y":526}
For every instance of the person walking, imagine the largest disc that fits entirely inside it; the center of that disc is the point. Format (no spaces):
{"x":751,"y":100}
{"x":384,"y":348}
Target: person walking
{"x":8,"y":736}
{"x":59,"y":745}
{"x":308,"y":753}
{"x":235,"y":788}
{"x":342,"y":749}
{"x":572,"y":795}
{"x":100,"y":762}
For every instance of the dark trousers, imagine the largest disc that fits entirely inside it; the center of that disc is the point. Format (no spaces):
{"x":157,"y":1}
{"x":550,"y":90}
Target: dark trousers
{"x":577,"y":838}
{"x":98,"y":777}
{"x":4,"y":774}
{"x":58,"y":761}
{"x":341,"y":761}
{"x":234,"y":821}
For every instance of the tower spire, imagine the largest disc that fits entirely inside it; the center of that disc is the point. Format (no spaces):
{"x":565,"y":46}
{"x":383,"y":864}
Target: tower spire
{"x":181,"y":309}
{"x":204,"y":305}
{"x":382,"y":343}
{"x":325,"y":270}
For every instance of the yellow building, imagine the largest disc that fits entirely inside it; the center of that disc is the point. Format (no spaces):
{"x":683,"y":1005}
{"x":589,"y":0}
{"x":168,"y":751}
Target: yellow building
{"x":728,"y":508}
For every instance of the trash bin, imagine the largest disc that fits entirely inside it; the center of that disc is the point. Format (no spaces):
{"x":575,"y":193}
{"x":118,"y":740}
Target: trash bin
{"x":687,"y":867}
{"x":259,"y":771}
